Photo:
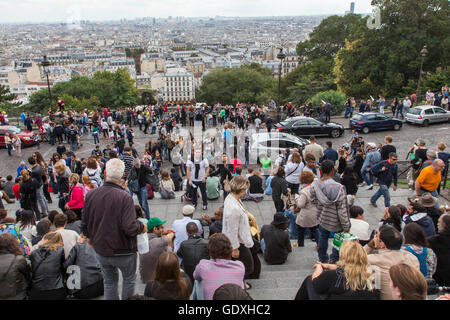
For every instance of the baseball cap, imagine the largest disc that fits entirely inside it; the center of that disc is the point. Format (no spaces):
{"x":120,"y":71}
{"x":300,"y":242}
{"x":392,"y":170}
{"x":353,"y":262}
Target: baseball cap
{"x":372,"y":145}
{"x":154,"y":222}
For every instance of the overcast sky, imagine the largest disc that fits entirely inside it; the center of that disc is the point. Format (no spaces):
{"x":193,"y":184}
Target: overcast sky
{"x":69,"y":10}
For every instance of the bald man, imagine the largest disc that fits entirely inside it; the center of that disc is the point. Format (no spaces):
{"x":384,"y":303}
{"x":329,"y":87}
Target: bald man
{"x":429,"y":179}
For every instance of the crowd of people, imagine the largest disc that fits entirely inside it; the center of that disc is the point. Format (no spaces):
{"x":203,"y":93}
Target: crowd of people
{"x":76,"y":251}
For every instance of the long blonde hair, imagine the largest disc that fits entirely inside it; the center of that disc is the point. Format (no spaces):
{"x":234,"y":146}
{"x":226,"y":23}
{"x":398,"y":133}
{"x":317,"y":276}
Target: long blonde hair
{"x":53,"y":240}
{"x":353,"y":259}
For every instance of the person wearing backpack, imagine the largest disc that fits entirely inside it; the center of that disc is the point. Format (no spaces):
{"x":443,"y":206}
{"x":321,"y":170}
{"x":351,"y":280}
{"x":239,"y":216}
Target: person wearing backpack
{"x":93,"y":170}
{"x":385,"y":171}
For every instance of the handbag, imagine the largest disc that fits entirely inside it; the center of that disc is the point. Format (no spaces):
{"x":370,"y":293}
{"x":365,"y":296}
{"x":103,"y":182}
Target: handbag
{"x":142,"y":243}
{"x":153,"y":180}
{"x":166,"y":194}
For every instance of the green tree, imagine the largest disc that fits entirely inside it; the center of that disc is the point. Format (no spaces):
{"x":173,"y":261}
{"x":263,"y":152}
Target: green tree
{"x":329,"y":37}
{"x":6,"y":98}
{"x":109,"y":89}
{"x":386,"y":60}
{"x":229,"y":86}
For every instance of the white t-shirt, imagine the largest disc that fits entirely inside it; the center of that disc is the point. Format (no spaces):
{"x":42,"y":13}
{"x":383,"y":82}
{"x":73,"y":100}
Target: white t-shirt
{"x":360,"y":228}
{"x":202,"y":172}
{"x":257,"y":122}
{"x":293,"y":172}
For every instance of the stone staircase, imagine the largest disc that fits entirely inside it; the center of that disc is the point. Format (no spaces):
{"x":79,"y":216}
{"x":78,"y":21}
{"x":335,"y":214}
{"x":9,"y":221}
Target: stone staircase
{"x":281,"y":282}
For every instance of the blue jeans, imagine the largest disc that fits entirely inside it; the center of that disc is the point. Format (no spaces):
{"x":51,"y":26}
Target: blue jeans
{"x":293,"y":232}
{"x":323,"y":246}
{"x":262,"y":244}
{"x":347,"y":112}
{"x":382,"y":191}
{"x":399,"y":111}
{"x":96,"y":140}
{"x":127,"y":265}
{"x":369,"y":180}
{"x":9,"y":147}
{"x":143,"y":201}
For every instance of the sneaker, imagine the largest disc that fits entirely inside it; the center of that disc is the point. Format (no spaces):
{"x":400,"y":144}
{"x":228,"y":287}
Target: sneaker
{"x":374,"y":204}
{"x":205,"y":207}
{"x":370,"y":187}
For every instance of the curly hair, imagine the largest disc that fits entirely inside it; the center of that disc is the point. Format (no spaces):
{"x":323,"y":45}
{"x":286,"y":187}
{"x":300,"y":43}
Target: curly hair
{"x":219,"y":246}
{"x":9,"y":244}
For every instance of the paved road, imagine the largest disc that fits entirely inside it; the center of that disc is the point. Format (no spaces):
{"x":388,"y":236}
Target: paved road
{"x":402,"y":139}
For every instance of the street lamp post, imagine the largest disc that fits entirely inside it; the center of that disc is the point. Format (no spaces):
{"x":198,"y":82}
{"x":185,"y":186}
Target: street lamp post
{"x":281,"y":57}
{"x":423,"y":53}
{"x":45,"y":63}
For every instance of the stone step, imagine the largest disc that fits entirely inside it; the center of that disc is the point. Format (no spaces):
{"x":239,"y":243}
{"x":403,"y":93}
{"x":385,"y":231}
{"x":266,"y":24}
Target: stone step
{"x":273,"y":294}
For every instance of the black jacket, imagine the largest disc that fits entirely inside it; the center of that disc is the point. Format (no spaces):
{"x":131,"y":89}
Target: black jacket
{"x":109,"y":221}
{"x":38,"y":174}
{"x":256,"y":184}
{"x":141,"y":174}
{"x":215,"y":227}
{"x":177,"y":180}
{"x":224,"y":172}
{"x":47,"y":269}
{"x":14,"y":285}
{"x":83,"y":256}
{"x":27,"y":192}
{"x":192,"y":251}
{"x":350,"y":183}
{"x":440,"y":244}
{"x":76,"y":167}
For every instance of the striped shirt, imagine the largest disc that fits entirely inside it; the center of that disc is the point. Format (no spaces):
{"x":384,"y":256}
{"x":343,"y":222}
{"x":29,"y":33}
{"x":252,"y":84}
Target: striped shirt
{"x":128,"y":161}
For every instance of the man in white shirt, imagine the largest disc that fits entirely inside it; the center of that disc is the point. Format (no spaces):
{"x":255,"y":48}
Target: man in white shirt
{"x":257,"y":123}
{"x":179,"y":226}
{"x":197,"y":171}
{"x":69,"y":237}
{"x":406,"y":105}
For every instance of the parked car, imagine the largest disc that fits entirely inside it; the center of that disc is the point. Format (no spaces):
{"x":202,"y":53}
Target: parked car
{"x":305,"y":127}
{"x":373,"y":121}
{"x":25,"y":136}
{"x":274,"y":142}
{"x":425,"y":115}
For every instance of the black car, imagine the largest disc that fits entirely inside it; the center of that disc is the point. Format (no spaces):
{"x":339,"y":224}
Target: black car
{"x":305,"y":127}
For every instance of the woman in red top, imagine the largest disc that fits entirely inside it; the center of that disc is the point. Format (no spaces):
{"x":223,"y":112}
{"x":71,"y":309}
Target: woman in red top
{"x":16,"y":188}
{"x":76,"y":195}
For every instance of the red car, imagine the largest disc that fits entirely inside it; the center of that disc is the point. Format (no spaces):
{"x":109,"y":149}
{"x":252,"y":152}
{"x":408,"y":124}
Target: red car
{"x":25,"y":136}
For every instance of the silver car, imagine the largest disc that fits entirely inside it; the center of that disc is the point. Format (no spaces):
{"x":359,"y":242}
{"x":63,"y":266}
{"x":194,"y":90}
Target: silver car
{"x":273,"y":143}
{"x":425,"y":115}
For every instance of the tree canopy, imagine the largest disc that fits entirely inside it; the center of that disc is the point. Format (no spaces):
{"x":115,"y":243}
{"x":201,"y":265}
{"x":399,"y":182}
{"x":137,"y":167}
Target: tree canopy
{"x":250,"y":84}
{"x":109,"y":89}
